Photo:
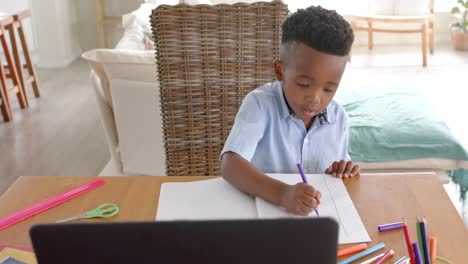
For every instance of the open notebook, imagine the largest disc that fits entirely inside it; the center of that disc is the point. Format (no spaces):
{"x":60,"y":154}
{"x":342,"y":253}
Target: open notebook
{"x":217,"y":199}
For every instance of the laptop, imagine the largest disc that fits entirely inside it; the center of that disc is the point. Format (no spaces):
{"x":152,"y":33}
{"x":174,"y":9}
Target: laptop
{"x":273,"y":241}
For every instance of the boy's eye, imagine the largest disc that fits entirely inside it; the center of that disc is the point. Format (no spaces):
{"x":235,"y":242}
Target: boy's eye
{"x":329,"y":91}
{"x":302,"y":84}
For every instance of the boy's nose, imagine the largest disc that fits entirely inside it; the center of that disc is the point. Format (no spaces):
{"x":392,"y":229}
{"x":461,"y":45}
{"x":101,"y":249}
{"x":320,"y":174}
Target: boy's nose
{"x":313,"y":99}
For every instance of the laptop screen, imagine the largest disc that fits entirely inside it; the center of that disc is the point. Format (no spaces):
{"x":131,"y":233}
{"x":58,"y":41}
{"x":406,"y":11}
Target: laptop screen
{"x":273,"y":241}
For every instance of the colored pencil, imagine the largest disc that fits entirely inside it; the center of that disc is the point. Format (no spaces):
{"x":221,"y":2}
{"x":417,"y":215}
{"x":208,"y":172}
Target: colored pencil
{"x":391,"y":226}
{"x":408,"y":243}
{"x":420,"y":239}
{"x":373,"y":259}
{"x":353,"y":249}
{"x":402,"y":260}
{"x":433,"y":248}
{"x":385,"y":256}
{"x":363,"y":253}
{"x":304,"y":180}
{"x":425,"y":249}
{"x":417,"y":255}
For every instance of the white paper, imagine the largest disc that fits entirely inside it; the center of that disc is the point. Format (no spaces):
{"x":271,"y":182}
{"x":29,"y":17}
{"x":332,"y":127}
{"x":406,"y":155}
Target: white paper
{"x":202,"y":200}
{"x":335,"y":203}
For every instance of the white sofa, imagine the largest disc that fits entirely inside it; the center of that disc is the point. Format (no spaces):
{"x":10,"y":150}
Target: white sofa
{"x":127,"y":92}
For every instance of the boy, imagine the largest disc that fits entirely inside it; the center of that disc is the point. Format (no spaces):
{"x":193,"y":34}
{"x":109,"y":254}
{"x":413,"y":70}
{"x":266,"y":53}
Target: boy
{"x":294,"y":119}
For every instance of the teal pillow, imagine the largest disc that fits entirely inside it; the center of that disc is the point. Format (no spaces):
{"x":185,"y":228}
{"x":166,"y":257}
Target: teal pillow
{"x":389,"y":124}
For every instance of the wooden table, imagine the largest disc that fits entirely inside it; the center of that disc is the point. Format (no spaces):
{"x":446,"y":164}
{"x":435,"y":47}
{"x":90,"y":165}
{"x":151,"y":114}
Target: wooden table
{"x":378,"y":198}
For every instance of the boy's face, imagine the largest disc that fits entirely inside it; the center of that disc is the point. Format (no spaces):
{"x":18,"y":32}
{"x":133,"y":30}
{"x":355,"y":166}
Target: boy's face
{"x":310,"y":79}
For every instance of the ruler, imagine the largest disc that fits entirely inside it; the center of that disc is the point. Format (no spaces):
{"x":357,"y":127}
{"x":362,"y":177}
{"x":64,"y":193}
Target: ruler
{"x":49,"y":203}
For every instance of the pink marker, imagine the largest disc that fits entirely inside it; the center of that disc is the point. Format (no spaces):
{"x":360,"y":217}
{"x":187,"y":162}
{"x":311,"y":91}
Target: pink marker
{"x":385,"y":256}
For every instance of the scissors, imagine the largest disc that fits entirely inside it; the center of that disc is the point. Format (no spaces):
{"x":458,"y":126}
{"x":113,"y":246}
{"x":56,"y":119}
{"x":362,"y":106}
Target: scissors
{"x":103,"y":211}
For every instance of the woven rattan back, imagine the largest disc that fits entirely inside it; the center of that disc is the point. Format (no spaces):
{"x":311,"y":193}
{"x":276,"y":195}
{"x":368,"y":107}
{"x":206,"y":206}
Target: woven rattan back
{"x":209,"y":58}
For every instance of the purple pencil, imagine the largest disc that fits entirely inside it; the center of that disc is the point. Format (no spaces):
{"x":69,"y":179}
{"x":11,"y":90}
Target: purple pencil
{"x":390,"y":226}
{"x":304,"y":180}
{"x":417,"y":254}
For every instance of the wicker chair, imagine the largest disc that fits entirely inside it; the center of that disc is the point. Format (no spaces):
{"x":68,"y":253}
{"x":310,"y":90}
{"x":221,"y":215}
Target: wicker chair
{"x":209,"y":58}
{"x":424,"y":24}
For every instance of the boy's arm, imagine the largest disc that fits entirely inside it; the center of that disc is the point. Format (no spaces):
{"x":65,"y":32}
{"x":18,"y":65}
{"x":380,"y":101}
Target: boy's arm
{"x":299,"y":199}
{"x":247,"y":178}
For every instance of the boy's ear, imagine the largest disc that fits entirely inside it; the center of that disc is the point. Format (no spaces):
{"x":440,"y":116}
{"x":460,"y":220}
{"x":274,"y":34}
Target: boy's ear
{"x":278,"y":70}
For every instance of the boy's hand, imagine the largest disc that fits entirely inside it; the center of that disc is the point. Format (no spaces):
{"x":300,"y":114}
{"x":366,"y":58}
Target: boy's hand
{"x":300,"y":199}
{"x":343,"y":169}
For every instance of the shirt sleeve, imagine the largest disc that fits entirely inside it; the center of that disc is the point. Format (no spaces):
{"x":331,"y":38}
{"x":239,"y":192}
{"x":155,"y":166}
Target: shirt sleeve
{"x":345,"y":147}
{"x":249,"y":127}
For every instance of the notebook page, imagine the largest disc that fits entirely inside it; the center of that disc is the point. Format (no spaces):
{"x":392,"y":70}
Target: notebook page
{"x":335,"y":203}
{"x":203,"y":200}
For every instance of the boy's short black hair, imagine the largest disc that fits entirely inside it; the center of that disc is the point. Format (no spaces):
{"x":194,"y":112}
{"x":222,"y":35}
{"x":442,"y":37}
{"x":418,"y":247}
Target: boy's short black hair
{"x":319,"y":28}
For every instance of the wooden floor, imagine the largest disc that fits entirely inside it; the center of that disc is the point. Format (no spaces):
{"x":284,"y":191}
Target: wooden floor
{"x":59,"y":134}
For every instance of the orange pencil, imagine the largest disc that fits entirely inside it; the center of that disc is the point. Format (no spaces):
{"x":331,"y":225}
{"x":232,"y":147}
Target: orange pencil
{"x":433,"y":248}
{"x":353,"y":249}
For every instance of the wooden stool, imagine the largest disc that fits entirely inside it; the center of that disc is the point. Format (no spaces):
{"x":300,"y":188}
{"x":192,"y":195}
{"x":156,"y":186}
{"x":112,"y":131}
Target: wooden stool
{"x":17,"y":27}
{"x":12,"y":74}
{"x":6,"y":111}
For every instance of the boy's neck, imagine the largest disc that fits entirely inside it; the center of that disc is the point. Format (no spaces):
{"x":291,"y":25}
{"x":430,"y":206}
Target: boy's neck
{"x":308,"y":124}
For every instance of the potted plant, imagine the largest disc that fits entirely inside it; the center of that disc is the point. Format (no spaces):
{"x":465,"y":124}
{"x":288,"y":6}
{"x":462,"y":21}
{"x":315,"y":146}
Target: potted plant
{"x":460,"y":26}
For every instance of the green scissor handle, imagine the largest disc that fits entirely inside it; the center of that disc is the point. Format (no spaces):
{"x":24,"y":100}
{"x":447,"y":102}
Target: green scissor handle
{"x":103,"y":211}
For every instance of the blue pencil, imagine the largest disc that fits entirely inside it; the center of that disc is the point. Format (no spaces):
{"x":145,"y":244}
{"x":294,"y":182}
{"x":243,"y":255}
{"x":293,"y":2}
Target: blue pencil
{"x":425,"y":246}
{"x":363,"y":253}
{"x":304,"y":180}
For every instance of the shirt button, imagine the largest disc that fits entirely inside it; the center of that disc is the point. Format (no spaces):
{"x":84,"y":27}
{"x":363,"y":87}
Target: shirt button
{"x":306,"y":140}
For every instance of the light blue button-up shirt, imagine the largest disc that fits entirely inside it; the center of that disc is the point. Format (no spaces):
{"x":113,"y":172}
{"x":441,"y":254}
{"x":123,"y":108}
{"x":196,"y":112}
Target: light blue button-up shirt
{"x":271,"y":138}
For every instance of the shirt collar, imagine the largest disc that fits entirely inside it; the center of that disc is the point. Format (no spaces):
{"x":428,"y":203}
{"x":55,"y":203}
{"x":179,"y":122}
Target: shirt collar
{"x":284,"y":110}
{"x":324,"y":117}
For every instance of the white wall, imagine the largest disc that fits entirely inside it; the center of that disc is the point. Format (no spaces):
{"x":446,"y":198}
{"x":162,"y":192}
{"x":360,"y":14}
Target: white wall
{"x":56,"y":30}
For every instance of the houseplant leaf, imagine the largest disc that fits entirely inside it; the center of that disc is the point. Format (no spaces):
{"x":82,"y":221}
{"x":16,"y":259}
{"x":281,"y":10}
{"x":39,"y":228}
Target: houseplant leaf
{"x":465,"y":25}
{"x":455,"y":10}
